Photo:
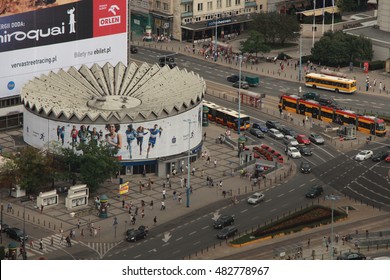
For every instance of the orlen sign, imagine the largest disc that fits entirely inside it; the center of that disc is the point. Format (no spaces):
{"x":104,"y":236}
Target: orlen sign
{"x":109,"y":17}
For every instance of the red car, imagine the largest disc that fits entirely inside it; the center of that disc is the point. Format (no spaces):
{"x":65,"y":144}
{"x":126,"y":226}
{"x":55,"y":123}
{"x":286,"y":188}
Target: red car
{"x":302,"y":139}
{"x":387,"y":159}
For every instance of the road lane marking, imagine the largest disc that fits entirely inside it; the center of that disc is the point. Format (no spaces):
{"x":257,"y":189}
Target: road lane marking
{"x":192,"y":233}
{"x":180,"y":238}
{"x":243,"y":211}
{"x":205,"y":227}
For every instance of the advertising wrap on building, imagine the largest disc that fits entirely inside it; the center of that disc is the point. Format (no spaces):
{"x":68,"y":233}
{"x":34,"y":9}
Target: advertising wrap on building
{"x":59,"y":36}
{"x":137,"y":141}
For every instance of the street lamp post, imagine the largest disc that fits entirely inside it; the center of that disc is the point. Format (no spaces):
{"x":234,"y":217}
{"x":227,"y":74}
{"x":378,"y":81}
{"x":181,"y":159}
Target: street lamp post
{"x":300,"y":56}
{"x":216,"y":39}
{"x":239,"y":96}
{"x":24,"y":255}
{"x":188,"y":162}
{"x":332,"y":198}
{"x":115,"y":224}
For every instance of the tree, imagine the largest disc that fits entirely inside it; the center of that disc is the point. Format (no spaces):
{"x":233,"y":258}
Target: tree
{"x":351,"y":5}
{"x":90,"y":163}
{"x":254,"y":44}
{"x":276,"y":28}
{"x":339,"y":48}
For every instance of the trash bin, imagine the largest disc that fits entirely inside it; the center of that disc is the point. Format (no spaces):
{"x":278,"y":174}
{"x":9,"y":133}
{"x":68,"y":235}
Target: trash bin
{"x":120,"y":180}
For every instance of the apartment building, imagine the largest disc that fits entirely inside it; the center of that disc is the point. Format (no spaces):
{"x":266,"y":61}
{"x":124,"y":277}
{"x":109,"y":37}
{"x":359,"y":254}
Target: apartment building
{"x":189,"y":20}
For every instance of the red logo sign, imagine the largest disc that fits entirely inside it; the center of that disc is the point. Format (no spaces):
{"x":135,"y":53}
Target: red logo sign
{"x":109,"y":17}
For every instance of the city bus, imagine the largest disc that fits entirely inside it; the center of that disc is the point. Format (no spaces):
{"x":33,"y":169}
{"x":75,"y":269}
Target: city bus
{"x":311,"y":108}
{"x":226,"y":116}
{"x":332,"y":83}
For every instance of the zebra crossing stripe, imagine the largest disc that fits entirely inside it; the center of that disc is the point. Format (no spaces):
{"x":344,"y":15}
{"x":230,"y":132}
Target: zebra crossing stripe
{"x":47,"y":247}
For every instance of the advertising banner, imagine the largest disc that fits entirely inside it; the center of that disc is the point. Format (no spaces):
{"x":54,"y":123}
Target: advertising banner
{"x":124,"y":188}
{"x":60,"y":35}
{"x":146,"y":140}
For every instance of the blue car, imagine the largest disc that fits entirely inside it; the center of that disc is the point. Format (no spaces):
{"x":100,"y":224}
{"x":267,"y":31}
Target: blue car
{"x":262,"y":127}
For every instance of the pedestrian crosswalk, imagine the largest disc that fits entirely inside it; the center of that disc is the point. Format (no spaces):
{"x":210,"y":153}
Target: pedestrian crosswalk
{"x":49,"y":244}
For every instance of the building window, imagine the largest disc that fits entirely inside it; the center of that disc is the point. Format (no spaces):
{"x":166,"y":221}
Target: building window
{"x":165,"y":7}
{"x":261,"y":6}
{"x":228,"y":3}
{"x":200,"y":7}
{"x":219,"y":4}
{"x":238,"y":2}
{"x":209,"y":5}
{"x":158,"y":5}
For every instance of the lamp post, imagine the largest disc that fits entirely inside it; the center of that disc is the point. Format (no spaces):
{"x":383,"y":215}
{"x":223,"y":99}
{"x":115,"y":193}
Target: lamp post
{"x":188,"y":161}
{"x":115,"y":224}
{"x":331,"y":197}
{"x":300,"y":56}
{"x":216,"y":38}
{"x":24,"y":233}
{"x":314,"y":22}
{"x":239,"y":96}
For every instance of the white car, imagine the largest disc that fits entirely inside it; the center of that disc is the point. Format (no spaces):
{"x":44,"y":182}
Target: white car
{"x":363,"y":155}
{"x":256,"y":198}
{"x":293,"y":152}
{"x":290,"y":141}
{"x":275,"y":133}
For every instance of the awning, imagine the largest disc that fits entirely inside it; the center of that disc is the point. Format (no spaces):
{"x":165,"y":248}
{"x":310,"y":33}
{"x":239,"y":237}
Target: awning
{"x":318,"y":12}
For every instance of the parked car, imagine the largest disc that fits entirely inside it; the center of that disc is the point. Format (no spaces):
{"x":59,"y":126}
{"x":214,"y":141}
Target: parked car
{"x":316,"y":139}
{"x":288,"y":131}
{"x":272,"y":124}
{"x":274,"y":133}
{"x":16,"y":233}
{"x":133,"y":235}
{"x":351,"y":256}
{"x":235,"y":78}
{"x":304,"y":150}
{"x":256,"y":132}
{"x":4,"y":228}
{"x":133,"y":49}
{"x":226,"y":232}
{"x":256,"y":198}
{"x":242,"y":84}
{"x":314,"y":191}
{"x":305,"y":167}
{"x":387,"y":159}
{"x":363,"y":155}
{"x":223,"y":221}
{"x":290,"y":141}
{"x":260,"y":126}
{"x":302,"y":139}
{"x":382,"y":155}
{"x":293,"y":152}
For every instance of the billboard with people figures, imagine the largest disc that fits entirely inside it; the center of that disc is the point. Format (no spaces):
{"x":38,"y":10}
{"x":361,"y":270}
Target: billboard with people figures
{"x":137,"y":140}
{"x":37,"y":37}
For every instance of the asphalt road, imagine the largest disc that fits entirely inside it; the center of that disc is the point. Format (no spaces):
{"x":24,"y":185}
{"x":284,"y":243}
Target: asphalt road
{"x":358,"y":102}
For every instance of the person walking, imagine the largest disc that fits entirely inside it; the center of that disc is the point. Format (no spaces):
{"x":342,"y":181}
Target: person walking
{"x":215,"y":163}
{"x":155,"y":220}
{"x":41,"y":244}
{"x":151,"y":205}
{"x":51,"y":241}
{"x":162,"y":205}
{"x":164,"y":194}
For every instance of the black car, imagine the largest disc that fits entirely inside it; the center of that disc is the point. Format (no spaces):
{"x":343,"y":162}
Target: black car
{"x":273,"y":124}
{"x":133,"y":49}
{"x":223,"y":221}
{"x":305,"y":167}
{"x":16,"y":233}
{"x":260,"y":126}
{"x":305,"y":151}
{"x":256,"y":132}
{"x":226,"y":232}
{"x":235,"y":78}
{"x":136,"y":234}
{"x":311,"y":95}
{"x":314,"y":191}
{"x":380,"y":156}
{"x":4,"y":228}
{"x":351,"y":256}
{"x":287,"y":131}
{"x":167,"y":60}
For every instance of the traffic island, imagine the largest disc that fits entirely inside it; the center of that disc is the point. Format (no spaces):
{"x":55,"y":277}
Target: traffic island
{"x":310,"y":217}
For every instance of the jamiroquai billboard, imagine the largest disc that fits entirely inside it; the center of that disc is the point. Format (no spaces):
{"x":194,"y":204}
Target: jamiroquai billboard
{"x":60,"y":35}
{"x":146,"y":140}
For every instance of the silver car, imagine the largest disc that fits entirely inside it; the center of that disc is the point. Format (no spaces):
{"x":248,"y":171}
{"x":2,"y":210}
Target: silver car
{"x":256,"y":198}
{"x":316,"y":139}
{"x":275,"y":133}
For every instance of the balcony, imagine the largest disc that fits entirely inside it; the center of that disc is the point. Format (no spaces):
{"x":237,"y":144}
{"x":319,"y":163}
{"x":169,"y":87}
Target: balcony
{"x":250,"y":4}
{"x":186,"y":1}
{"x":186,"y":14}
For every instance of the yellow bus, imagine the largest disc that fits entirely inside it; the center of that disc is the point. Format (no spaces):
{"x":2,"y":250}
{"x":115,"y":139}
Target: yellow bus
{"x":332,"y":83}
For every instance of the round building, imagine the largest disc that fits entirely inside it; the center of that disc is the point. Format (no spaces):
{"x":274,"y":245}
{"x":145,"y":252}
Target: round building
{"x":151,"y":114}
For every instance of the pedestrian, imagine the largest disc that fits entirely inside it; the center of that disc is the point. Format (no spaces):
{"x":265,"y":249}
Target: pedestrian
{"x":133,"y":220}
{"x":41,"y":244}
{"x":155,"y":220}
{"x":162,"y":205}
{"x":136,"y":211}
{"x":215,"y":163}
{"x":151,"y":205}
{"x":208,"y":160}
{"x":41,"y":208}
{"x":142,"y":214}
{"x":174,"y":195}
{"x":31,"y":244}
{"x":51,"y":241}
{"x":179,"y":198}
{"x":78,"y":223}
{"x":308,"y":243}
{"x":380,"y":87}
{"x":224,"y":193}
{"x":202,"y":155}
{"x":204,"y":136}
{"x":220,"y":184}
{"x":123,"y":203}
{"x":164,"y":194}
{"x":82,"y":233}
{"x":193,"y":171}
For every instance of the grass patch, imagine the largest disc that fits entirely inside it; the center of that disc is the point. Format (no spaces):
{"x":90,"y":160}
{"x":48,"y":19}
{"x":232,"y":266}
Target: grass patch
{"x":312,"y":216}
